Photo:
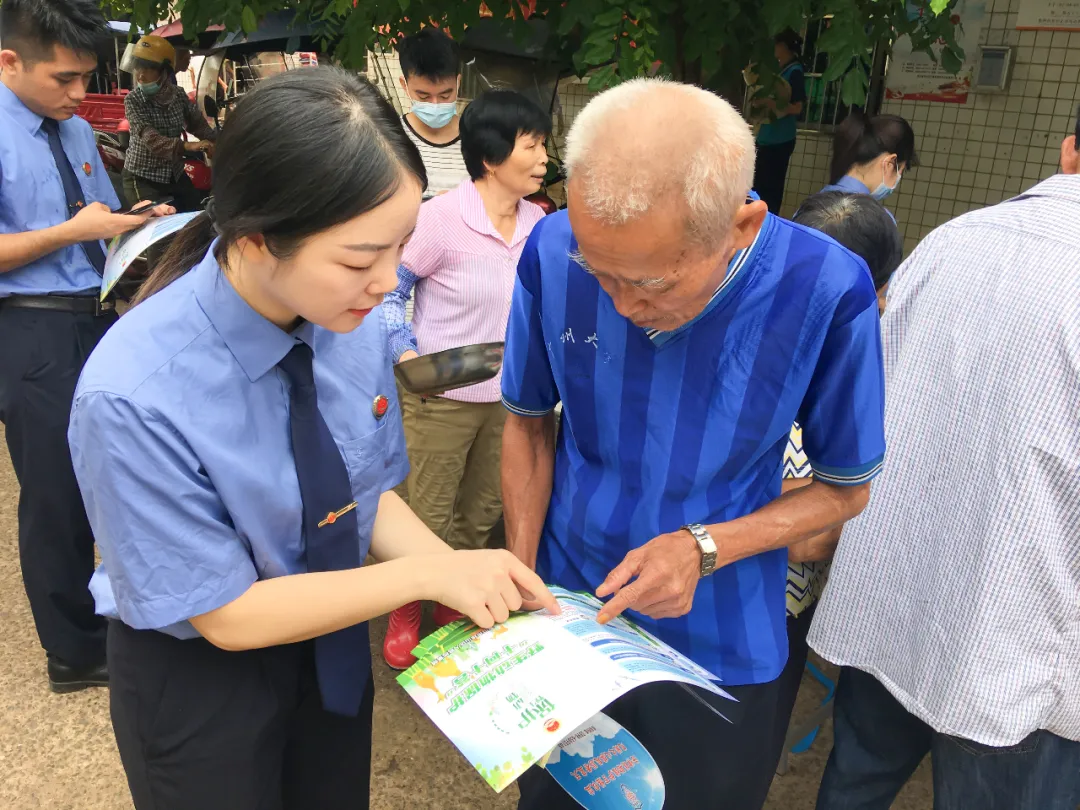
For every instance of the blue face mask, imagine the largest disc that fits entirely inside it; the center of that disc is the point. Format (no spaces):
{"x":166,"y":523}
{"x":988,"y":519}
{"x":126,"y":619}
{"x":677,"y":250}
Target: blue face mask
{"x":883,"y":190}
{"x":435,"y":115}
{"x":150,"y":89}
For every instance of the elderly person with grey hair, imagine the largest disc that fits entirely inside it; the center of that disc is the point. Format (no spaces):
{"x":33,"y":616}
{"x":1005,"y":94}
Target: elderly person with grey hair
{"x":684,"y":330}
{"x":862,"y":225}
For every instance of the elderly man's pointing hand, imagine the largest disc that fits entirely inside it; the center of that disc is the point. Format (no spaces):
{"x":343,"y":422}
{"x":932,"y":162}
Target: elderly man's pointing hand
{"x":658,"y":579}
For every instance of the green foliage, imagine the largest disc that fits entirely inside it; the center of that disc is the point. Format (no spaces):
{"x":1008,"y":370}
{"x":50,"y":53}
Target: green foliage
{"x":704,"y":41}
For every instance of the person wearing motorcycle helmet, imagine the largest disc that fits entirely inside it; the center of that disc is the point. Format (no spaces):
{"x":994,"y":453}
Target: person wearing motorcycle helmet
{"x":159,"y":113}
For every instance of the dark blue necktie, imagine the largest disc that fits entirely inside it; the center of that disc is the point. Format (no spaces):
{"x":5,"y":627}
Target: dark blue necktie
{"x":331,"y":537}
{"x":72,"y":190}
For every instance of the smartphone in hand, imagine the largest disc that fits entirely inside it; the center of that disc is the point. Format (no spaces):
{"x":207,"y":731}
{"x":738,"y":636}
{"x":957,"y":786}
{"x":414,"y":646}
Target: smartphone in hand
{"x":145,"y":208}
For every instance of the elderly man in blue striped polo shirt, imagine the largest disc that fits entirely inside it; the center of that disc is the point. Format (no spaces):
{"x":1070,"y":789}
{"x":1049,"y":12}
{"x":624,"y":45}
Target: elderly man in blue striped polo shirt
{"x":684,"y":331}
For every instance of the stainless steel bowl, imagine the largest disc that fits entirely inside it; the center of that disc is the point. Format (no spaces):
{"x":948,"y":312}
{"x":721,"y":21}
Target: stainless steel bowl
{"x":450,"y":369}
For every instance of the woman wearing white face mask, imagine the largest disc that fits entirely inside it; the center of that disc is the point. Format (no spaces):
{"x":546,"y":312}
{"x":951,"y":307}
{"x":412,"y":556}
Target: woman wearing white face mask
{"x":431,"y":72}
{"x":871,"y":155}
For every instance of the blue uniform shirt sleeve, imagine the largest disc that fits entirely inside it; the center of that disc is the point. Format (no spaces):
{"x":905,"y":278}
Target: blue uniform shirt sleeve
{"x":843,"y":413}
{"x":528,"y":386}
{"x":166,"y":540}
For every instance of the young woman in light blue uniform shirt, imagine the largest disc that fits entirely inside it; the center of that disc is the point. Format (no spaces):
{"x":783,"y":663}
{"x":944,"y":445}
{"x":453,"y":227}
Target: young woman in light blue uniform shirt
{"x":236,"y":438}
{"x":871,"y":154}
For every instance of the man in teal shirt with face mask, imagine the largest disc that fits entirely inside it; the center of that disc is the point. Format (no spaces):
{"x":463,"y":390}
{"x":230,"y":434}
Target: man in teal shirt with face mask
{"x":159,"y":113}
{"x":431,"y":77}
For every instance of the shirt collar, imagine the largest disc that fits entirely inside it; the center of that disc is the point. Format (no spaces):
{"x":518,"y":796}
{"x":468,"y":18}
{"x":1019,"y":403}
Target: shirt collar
{"x":1060,"y":186}
{"x":256,"y":343}
{"x":738,"y":263}
{"x":13,"y":106}
{"x":475,"y":215}
{"x":848,"y":183}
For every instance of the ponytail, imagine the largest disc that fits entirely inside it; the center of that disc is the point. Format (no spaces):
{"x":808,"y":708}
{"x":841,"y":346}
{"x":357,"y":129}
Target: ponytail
{"x":858,"y":139}
{"x":186,"y":250}
{"x":847,"y":136}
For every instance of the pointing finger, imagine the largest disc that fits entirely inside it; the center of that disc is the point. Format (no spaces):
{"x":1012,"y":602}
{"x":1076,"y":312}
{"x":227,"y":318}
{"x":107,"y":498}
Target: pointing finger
{"x":622,"y":600}
{"x":629,"y":568}
{"x":532,"y":587}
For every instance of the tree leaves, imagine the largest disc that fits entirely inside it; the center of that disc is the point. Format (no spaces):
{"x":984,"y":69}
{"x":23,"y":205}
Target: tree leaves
{"x":853,"y":87}
{"x":248,"y":20}
{"x":612,"y":40}
{"x":837,"y":68}
{"x":602,"y":78}
{"x":951,"y":60}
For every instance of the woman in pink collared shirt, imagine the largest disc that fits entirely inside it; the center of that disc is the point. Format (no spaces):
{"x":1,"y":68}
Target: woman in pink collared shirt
{"x":462,"y":262}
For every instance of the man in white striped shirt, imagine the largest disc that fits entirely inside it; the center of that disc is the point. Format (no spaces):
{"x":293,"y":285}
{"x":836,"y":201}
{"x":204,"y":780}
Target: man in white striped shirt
{"x":431,"y":76}
{"x":953,"y":604}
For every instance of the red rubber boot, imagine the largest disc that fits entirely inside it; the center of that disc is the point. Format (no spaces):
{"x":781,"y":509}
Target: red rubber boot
{"x":444,"y":615}
{"x":402,"y":636}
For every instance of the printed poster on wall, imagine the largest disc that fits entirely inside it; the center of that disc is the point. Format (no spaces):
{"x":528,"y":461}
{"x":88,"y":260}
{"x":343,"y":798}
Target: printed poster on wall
{"x":916,"y":77}
{"x":1049,"y":15}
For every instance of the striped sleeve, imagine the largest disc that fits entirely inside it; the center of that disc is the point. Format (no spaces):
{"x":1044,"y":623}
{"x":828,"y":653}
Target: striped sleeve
{"x":528,"y":386}
{"x":843,"y":413}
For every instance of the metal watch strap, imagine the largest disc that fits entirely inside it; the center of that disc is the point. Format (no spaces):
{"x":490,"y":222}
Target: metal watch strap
{"x":706,"y":544}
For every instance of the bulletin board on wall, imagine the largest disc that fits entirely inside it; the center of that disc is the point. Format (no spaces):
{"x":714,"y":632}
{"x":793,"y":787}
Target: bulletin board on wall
{"x":916,"y":76}
{"x":1048,"y":15}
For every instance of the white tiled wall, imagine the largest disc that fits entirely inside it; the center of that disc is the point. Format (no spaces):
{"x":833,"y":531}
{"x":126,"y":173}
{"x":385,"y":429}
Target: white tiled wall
{"x":977,"y":153}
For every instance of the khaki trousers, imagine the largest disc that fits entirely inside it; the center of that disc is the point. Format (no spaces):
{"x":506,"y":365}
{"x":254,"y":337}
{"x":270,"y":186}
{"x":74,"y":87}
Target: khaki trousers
{"x":454,"y":456}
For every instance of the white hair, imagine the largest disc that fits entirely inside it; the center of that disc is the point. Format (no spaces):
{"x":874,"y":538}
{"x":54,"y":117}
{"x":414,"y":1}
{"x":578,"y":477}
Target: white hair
{"x":650,"y":142}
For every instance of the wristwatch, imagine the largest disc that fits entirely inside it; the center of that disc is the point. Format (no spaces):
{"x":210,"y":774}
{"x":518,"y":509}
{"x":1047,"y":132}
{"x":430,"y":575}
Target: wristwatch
{"x":707,"y":546}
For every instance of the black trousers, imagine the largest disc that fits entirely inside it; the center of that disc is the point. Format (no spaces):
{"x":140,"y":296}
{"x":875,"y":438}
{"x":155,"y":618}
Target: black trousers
{"x":878,"y":744}
{"x":706,"y":761}
{"x":770,"y":173}
{"x":798,"y":628}
{"x":185,"y":196}
{"x":200,"y":728}
{"x":41,"y":355}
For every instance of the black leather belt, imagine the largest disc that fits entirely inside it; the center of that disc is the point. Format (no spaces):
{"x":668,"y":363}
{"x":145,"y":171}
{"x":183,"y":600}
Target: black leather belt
{"x":79,"y":304}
